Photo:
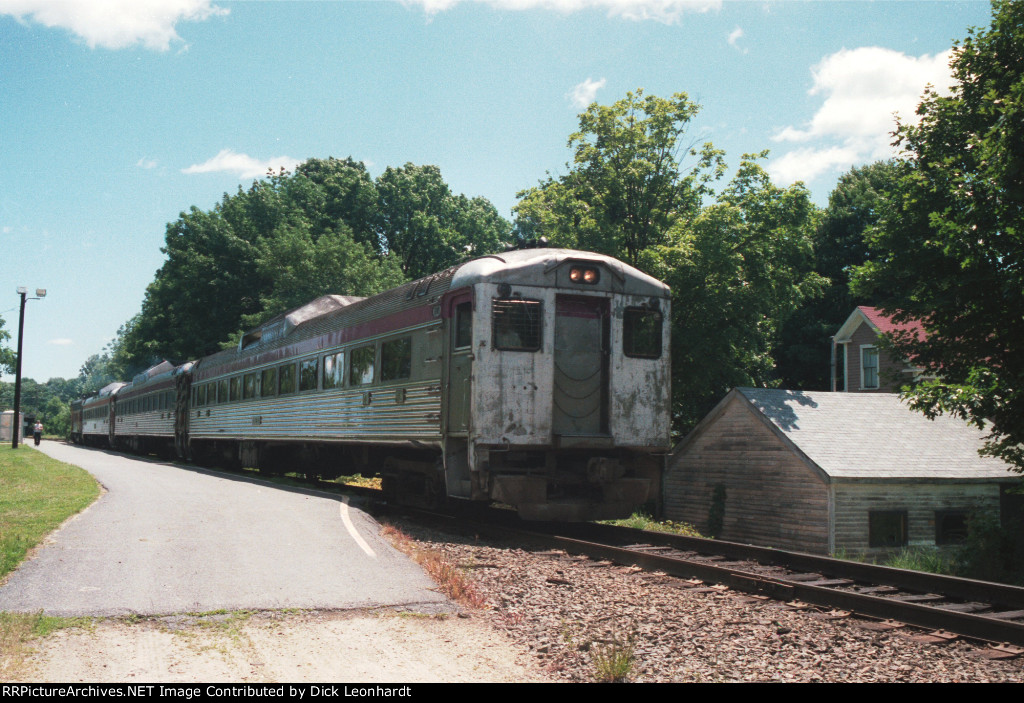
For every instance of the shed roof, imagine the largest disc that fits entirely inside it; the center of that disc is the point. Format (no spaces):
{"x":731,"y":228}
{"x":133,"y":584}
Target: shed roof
{"x":875,"y":436}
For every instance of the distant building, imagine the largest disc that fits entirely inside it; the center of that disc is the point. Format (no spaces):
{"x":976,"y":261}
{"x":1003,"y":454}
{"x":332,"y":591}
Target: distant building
{"x":7,"y":425}
{"x":821,"y":472}
{"x":861,"y":366}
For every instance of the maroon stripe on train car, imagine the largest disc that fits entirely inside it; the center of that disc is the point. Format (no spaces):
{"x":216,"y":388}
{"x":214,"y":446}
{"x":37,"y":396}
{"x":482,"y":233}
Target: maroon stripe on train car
{"x":370,"y":328}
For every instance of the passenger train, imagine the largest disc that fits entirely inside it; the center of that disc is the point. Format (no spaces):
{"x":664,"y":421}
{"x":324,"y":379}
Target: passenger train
{"x":537,"y":378}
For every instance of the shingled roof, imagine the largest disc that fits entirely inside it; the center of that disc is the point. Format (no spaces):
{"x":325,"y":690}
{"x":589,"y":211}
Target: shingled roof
{"x":874,"y":436}
{"x":882,"y":323}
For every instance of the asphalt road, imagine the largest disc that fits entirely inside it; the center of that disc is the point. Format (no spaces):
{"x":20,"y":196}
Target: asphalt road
{"x":170,"y":539}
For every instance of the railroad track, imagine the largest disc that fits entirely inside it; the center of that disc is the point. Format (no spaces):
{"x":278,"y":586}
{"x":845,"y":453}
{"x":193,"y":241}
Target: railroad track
{"x":947,"y":607}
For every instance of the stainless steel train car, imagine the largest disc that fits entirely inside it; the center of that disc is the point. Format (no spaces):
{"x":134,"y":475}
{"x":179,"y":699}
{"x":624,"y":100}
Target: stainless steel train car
{"x":92,"y":419}
{"x":537,"y":378}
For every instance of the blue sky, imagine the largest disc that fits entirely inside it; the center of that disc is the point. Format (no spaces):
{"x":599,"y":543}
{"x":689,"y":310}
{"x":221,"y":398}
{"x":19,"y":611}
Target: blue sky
{"x":115,"y":116}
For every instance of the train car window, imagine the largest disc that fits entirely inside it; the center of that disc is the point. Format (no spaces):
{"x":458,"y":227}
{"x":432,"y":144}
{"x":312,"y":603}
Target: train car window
{"x":235,"y":388}
{"x":396,"y":359}
{"x":222,"y":391}
{"x":464,"y":325}
{"x":361,"y":371}
{"x":201,"y":396}
{"x":249,"y":386}
{"x":517,"y":324}
{"x":641,"y":334}
{"x":307,"y":375}
{"x":334,"y":370}
{"x":268,"y":385}
{"x":286,"y":378}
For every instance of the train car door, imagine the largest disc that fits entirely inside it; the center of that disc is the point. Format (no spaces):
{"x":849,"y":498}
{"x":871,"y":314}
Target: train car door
{"x":460,"y":364}
{"x":582,"y":334}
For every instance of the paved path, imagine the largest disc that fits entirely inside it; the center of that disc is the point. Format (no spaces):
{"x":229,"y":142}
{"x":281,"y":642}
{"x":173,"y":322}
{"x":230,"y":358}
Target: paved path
{"x":166,"y":539}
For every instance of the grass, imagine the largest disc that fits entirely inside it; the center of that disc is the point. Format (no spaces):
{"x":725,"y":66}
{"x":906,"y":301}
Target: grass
{"x":39,"y":493}
{"x":452,"y":580}
{"x":642,"y":521}
{"x":17,"y":630}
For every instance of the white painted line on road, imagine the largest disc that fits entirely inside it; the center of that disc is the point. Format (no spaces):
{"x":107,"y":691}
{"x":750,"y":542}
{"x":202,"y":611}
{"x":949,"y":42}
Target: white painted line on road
{"x":343,"y":507}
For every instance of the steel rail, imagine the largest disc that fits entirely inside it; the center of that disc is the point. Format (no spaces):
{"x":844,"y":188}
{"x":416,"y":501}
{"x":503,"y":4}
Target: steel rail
{"x":996,"y":594}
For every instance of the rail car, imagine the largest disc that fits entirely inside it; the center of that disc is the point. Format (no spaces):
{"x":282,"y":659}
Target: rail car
{"x":538,"y":378}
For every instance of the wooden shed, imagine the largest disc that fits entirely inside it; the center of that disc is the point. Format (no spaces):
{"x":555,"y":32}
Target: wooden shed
{"x":826,"y":472}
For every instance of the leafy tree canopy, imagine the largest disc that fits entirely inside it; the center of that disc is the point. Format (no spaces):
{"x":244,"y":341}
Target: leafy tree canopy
{"x":292,"y":237}
{"x":7,"y":356}
{"x":949,"y":248}
{"x":737,"y":271}
{"x":854,"y":206}
{"x":634,"y":175}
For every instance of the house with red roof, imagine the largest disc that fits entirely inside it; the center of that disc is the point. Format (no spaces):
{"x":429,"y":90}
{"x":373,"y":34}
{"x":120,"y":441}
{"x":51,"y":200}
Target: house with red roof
{"x":859,"y":364}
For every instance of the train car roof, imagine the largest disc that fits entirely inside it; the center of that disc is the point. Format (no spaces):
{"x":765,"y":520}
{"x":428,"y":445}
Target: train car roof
{"x":297,"y":331}
{"x":532,"y":266}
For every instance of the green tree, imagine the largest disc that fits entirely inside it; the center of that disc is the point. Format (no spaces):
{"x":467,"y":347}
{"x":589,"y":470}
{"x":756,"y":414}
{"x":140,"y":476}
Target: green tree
{"x":634,"y":175}
{"x":949,"y":249}
{"x":8,"y":357}
{"x":737,"y":271}
{"x":427,"y":228}
{"x":854,"y":206}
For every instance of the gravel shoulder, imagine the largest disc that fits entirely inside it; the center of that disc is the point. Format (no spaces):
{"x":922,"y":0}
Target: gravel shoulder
{"x":355,"y":646}
{"x":550,"y":617}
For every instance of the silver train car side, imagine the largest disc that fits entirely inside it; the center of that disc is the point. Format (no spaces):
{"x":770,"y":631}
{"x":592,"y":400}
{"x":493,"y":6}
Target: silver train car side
{"x":537,"y":378}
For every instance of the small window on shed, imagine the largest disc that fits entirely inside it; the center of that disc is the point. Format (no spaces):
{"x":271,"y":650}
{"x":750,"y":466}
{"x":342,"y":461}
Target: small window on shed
{"x":307,"y":375}
{"x":887,"y":528}
{"x":396,"y":359}
{"x":950,"y":526}
{"x":517,"y":324}
{"x":641,"y":333}
{"x":362,"y":362}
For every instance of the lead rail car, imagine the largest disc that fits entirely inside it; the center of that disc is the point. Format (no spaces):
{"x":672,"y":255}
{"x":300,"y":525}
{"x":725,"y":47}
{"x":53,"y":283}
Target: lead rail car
{"x":537,"y":378}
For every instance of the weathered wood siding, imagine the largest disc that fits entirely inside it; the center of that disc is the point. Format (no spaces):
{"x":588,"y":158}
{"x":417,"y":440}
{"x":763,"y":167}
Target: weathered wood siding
{"x":891,"y":372}
{"x":854,"y":500}
{"x":772,"y":497}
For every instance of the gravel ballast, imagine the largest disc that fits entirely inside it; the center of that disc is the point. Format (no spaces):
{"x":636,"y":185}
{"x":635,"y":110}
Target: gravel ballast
{"x":569,"y":611}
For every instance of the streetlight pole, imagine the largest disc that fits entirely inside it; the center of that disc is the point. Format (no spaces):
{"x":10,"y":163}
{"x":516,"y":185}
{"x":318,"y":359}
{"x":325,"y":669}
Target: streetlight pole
{"x":23,"y":292}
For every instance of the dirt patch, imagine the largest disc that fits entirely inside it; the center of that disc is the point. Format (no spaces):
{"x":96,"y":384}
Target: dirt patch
{"x":295,"y":647}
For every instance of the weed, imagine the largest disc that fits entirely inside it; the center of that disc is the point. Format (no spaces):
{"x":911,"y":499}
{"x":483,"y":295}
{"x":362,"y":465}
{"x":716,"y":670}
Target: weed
{"x":613,"y":661}
{"x":452,"y":580}
{"x":642,"y":521}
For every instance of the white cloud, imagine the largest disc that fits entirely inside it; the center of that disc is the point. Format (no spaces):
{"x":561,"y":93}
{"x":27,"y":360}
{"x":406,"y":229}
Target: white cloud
{"x":245,"y":166}
{"x":61,"y":342}
{"x":863,"y":89}
{"x":584,"y":93}
{"x":667,"y":11}
{"x":115,"y":24}
{"x":146,"y":163}
{"x":734,"y":37}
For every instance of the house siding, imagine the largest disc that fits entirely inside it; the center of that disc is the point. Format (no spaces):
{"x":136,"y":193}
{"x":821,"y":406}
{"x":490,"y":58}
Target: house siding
{"x":772,"y":497}
{"x":855,"y":500}
{"x":891,"y":373}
